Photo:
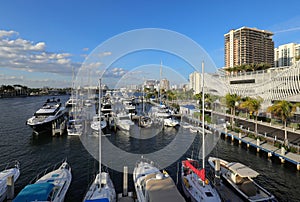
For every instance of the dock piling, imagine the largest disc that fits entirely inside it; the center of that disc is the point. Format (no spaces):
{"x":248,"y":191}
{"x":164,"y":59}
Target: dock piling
{"x":10,"y":188}
{"x":217,"y":172}
{"x":125,"y":181}
{"x":258,"y":144}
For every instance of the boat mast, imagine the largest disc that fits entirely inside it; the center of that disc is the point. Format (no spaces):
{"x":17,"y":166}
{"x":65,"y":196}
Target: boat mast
{"x":203,"y":134}
{"x":143,"y":96}
{"x":160,"y":73}
{"x":100,"y":132}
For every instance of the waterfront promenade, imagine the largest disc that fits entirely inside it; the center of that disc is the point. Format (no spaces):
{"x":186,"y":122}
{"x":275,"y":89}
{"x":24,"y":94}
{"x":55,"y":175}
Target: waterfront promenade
{"x":267,"y":144}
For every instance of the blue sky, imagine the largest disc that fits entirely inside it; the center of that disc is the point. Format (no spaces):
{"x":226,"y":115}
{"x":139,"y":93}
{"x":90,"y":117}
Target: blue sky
{"x":42,"y":41}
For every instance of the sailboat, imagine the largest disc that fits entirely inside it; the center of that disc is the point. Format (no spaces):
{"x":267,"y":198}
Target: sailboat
{"x":145,"y":120}
{"x":194,"y":182}
{"x":102,"y":188}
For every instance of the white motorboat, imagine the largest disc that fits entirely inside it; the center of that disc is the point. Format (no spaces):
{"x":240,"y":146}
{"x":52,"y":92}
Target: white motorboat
{"x":52,"y":187}
{"x":102,"y":188}
{"x":98,"y":123}
{"x":195,"y":185}
{"x":52,"y":112}
{"x":8,"y":172}
{"x":239,"y":177}
{"x":74,"y":127}
{"x":124,"y":122}
{"x":153,"y":185}
{"x":71,"y":102}
{"x":171,"y":122}
{"x":146,"y":121}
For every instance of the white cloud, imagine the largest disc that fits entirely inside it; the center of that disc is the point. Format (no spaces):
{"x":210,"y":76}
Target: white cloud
{"x":115,"y":72}
{"x":21,"y":54}
{"x":85,"y":49}
{"x":4,"y":33}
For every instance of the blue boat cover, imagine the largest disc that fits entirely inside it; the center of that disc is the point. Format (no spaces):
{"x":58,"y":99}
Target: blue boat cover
{"x":97,"y":200}
{"x":32,"y":192}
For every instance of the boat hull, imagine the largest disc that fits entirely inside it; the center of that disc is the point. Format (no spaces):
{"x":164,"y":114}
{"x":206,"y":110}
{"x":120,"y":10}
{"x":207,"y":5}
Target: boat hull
{"x":44,"y":127}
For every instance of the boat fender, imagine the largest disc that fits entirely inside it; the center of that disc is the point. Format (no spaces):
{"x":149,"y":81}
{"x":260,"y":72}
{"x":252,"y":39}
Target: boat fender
{"x":206,"y":181}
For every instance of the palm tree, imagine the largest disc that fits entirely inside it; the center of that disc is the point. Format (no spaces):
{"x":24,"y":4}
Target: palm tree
{"x":231,"y":102}
{"x":282,"y":109}
{"x":252,"y":105}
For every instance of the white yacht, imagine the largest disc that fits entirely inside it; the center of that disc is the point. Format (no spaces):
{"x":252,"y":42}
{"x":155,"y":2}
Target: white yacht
{"x":71,"y":102}
{"x":146,"y":121}
{"x":171,"y":122}
{"x":52,"y":112}
{"x":153,"y":185}
{"x":8,"y":172}
{"x":74,"y":128}
{"x":98,"y":123}
{"x":239,"y":177}
{"x":124,"y":122}
{"x":52,"y":187}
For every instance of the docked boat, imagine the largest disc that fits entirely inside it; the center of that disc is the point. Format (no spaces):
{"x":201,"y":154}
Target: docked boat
{"x":71,"y":102}
{"x":102,"y":188}
{"x":74,"y":127}
{"x":50,"y":115}
{"x":146,"y":121}
{"x":171,"y":122}
{"x":52,"y":187}
{"x":239,"y":177}
{"x":153,"y":185}
{"x":195,"y":185}
{"x":6,"y":173}
{"x":124,"y":122}
{"x":98,"y":123}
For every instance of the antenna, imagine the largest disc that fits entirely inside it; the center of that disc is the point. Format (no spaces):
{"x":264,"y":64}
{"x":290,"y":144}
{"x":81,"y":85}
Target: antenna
{"x":203,"y":134}
{"x":100,"y":132}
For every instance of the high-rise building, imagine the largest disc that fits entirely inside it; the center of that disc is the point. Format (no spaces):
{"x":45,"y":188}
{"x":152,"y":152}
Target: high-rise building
{"x":165,"y":84}
{"x":248,"y":46}
{"x":286,"y":55}
{"x":195,"y":82}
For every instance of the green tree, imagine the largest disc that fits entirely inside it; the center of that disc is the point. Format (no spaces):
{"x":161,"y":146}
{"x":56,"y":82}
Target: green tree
{"x":283,"y":110}
{"x":231,"y":103}
{"x":252,"y":105}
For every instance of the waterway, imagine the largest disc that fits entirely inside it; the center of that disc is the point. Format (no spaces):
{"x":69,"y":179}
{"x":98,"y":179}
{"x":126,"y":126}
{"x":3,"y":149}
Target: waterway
{"x":36,"y":153}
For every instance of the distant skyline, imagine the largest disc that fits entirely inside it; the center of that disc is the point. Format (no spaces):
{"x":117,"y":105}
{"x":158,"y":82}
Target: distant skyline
{"x":41,"y":42}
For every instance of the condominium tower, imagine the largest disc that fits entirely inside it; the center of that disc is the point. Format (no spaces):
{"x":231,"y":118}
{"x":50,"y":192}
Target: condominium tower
{"x":248,"y":46}
{"x":286,"y":54}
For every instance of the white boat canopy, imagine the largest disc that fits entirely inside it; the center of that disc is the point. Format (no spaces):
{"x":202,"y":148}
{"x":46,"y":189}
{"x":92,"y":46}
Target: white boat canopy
{"x":242,"y":170}
{"x":162,"y":189}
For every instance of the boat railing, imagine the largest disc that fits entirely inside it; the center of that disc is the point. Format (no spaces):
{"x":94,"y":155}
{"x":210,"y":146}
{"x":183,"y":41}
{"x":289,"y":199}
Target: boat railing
{"x":11,"y":164}
{"x":47,"y":170}
{"x":143,"y":159}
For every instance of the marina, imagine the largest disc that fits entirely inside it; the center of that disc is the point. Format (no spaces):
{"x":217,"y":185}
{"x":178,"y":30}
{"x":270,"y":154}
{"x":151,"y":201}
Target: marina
{"x":35,"y":153}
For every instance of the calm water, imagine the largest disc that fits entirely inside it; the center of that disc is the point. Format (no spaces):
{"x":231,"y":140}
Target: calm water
{"x":37,"y":153}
